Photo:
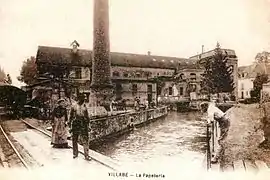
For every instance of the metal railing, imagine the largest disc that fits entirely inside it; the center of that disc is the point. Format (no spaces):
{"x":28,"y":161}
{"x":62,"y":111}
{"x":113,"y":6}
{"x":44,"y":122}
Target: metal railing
{"x":212,"y":140}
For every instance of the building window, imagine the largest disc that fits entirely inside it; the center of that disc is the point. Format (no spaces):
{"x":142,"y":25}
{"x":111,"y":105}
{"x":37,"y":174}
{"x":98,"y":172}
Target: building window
{"x":148,"y":74}
{"x":134,"y":89}
{"x":182,"y":76}
{"x":78,"y":73}
{"x":247,"y":93}
{"x":125,"y":74}
{"x":192,"y":76}
{"x":138,"y":74}
{"x":116,"y":74}
{"x":181,"y":91}
{"x":149,"y":88}
{"x":242,"y":86}
{"x":170,"y":91}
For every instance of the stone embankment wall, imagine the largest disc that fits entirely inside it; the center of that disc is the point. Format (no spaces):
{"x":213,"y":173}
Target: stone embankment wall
{"x":113,"y":125}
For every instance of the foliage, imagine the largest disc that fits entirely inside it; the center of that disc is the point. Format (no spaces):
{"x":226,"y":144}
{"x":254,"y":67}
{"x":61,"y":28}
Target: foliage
{"x":263,"y":57}
{"x":3,"y":76}
{"x":8,"y":79}
{"x":265,"y":97}
{"x":217,"y":77}
{"x":28,"y":73}
{"x":257,"y":85}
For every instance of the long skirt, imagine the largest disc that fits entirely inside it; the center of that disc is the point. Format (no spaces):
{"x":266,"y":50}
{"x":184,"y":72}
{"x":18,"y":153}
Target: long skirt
{"x":59,"y":133}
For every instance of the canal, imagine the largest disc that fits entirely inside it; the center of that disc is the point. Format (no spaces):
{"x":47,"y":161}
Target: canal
{"x":178,"y":140}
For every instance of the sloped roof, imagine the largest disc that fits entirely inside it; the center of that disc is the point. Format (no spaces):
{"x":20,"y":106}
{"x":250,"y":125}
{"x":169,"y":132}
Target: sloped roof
{"x":209,"y":53}
{"x":57,"y":55}
{"x":255,"y":69}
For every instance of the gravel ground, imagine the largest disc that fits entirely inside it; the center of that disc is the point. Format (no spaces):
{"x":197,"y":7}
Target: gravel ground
{"x":243,"y":141}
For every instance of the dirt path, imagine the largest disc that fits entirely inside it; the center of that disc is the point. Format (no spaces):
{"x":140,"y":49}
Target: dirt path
{"x":242,"y":142}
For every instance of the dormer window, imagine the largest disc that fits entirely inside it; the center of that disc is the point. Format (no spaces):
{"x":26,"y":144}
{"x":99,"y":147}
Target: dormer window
{"x":138,"y":74}
{"x":75,"y":46}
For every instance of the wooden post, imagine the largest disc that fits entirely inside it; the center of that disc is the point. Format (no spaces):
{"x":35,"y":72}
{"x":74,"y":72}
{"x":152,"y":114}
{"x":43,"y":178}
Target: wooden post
{"x":213,"y":136}
{"x":208,"y":153}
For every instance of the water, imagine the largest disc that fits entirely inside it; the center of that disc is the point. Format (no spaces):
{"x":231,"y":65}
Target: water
{"x":177,"y":139}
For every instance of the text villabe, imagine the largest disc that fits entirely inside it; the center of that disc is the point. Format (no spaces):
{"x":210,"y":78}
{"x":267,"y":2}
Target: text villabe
{"x":139,"y":175}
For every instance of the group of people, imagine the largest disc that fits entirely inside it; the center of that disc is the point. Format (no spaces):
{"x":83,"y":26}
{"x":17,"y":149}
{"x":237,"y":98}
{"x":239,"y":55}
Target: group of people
{"x":73,"y":116}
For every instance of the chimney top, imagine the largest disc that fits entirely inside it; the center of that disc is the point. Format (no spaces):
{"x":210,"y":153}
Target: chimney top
{"x":75,"y":46}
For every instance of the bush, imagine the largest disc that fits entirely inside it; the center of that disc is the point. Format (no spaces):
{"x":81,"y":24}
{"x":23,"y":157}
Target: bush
{"x":249,"y":101}
{"x":233,"y":98}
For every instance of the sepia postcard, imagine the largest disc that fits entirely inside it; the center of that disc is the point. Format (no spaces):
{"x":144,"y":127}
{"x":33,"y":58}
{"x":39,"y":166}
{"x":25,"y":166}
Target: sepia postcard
{"x":134,"y":89}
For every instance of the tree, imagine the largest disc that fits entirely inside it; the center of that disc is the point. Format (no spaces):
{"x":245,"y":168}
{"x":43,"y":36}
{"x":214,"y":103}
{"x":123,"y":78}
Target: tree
{"x":263,"y":57}
{"x":8,"y":79}
{"x":28,"y":73}
{"x":2,"y":76}
{"x":207,"y":85}
{"x":217,"y":77}
{"x":257,"y":85}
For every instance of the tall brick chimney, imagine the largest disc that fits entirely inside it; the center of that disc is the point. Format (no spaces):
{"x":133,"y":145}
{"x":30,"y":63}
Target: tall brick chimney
{"x":101,"y":85}
{"x":101,"y":62}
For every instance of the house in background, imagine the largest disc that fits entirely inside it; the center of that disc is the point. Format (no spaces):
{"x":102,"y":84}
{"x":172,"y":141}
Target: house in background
{"x":247,"y":75}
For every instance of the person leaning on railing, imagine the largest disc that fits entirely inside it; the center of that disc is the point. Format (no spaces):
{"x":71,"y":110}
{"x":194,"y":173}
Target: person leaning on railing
{"x":224,"y":125}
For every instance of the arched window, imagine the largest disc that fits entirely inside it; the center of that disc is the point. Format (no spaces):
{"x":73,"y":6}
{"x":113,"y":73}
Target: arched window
{"x":138,"y":74}
{"x":182,"y":76}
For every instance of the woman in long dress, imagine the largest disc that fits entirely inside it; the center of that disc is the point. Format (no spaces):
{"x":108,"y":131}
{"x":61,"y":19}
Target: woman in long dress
{"x":59,"y":125}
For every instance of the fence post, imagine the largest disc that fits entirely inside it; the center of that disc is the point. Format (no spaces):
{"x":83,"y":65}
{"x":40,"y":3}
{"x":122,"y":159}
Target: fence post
{"x":208,"y":153}
{"x":216,"y":129}
{"x":213,"y":136}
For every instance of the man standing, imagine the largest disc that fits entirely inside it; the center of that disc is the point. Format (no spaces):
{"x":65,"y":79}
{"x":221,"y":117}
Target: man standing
{"x":79,"y":122}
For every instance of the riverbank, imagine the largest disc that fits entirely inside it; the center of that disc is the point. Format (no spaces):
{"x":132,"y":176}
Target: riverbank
{"x":243,"y":140}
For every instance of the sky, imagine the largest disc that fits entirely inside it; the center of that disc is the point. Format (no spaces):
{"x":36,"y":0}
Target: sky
{"x":164,"y":27}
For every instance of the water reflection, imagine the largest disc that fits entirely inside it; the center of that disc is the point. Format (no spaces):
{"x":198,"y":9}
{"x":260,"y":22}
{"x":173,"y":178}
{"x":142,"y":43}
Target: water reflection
{"x":178,"y":136}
